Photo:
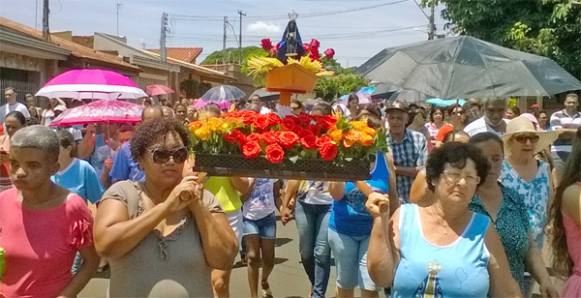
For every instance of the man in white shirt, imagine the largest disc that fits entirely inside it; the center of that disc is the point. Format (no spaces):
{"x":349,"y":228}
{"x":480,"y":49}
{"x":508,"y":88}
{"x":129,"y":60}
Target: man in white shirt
{"x":12,"y":105}
{"x":492,"y":121}
{"x":566,"y":121}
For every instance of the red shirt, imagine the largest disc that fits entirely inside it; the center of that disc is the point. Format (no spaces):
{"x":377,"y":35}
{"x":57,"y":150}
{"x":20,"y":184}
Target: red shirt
{"x":40,"y":245}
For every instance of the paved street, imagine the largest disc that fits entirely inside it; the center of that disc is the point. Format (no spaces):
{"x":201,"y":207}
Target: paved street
{"x":288,"y":278}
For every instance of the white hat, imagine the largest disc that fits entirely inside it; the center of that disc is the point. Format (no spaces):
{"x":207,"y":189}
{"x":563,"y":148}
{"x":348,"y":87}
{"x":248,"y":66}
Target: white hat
{"x":522,"y":124}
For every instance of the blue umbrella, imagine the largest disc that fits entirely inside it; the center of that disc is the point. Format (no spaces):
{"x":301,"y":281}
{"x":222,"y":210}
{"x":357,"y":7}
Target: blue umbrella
{"x":444,"y":103}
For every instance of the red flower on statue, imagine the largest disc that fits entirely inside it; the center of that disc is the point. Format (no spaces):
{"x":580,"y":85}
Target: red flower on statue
{"x":266,"y":44}
{"x":314,"y":44}
{"x":329,"y":53}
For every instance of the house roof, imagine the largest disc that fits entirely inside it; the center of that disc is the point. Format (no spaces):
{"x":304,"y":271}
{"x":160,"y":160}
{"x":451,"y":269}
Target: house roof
{"x":200,"y":69}
{"x":136,"y":56}
{"x":185,"y":54}
{"x":75,"y":49}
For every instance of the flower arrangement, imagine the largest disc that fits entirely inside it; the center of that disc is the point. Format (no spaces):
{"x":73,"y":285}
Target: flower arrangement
{"x":308,"y":57}
{"x":304,"y":137}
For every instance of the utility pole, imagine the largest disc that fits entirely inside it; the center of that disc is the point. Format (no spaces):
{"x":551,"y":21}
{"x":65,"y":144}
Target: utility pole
{"x":224,"y":37}
{"x":45,"y":13}
{"x":432,"y":29}
{"x":163,"y":37}
{"x":240,"y":13}
{"x":118,"y":7}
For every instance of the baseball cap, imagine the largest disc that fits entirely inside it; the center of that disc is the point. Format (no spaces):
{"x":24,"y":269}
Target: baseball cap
{"x":397,"y":105}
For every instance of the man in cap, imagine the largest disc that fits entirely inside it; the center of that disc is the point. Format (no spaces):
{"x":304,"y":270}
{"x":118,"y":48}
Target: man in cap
{"x":409,"y":148}
{"x":12,"y":105}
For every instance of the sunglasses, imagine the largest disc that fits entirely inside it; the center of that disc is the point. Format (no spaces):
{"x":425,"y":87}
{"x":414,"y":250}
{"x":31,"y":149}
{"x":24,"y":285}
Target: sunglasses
{"x":523,"y":138}
{"x":162,"y":156}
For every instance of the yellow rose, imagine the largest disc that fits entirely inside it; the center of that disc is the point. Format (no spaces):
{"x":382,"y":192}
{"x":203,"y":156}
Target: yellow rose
{"x":366,"y":140}
{"x":359,"y":125}
{"x":215,"y":123}
{"x":203,"y":133}
{"x":370,"y":131}
{"x":351,"y":137}
{"x":336,"y":135}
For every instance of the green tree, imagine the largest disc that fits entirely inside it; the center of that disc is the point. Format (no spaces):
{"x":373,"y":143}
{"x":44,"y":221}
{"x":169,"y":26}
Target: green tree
{"x":343,"y":82}
{"x":550,"y":28}
{"x":232,"y":55}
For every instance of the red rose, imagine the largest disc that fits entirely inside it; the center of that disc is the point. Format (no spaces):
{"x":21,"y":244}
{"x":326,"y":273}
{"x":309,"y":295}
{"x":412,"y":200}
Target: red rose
{"x":309,"y":141}
{"x":235,"y":136}
{"x":323,"y":140}
{"x":287,"y":139}
{"x":314,"y":44}
{"x":253,"y":137}
{"x":268,"y":137}
{"x":274,"y":153}
{"x":273,"y":119}
{"x":326,"y":122}
{"x":266,"y":44}
{"x":261,"y":122}
{"x":272,"y":52}
{"x":328,"y":151}
{"x":305,"y":119}
{"x":251,"y":150}
{"x":290,"y":123}
{"x":315,"y":56}
{"x":329,"y":53}
{"x":314,"y":129}
{"x":306,"y":47}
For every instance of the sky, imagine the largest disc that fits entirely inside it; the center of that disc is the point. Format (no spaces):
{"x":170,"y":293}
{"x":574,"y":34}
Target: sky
{"x":355,"y":29}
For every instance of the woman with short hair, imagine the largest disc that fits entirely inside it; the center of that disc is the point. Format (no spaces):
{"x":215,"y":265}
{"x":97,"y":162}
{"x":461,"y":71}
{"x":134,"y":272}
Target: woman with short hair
{"x":42,"y":225}
{"x":442,"y":249}
{"x":12,"y":123}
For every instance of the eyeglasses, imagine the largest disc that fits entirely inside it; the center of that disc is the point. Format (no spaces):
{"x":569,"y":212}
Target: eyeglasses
{"x":455,"y":177}
{"x":523,"y":138}
{"x":162,"y":156}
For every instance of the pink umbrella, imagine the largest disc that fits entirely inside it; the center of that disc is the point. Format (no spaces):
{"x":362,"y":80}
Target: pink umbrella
{"x":100,"y":111}
{"x":91,"y":83}
{"x":155,"y":90}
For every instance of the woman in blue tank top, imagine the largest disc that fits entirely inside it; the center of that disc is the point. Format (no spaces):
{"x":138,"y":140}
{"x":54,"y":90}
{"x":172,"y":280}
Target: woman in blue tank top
{"x":444,"y":249}
{"x":350,"y":227}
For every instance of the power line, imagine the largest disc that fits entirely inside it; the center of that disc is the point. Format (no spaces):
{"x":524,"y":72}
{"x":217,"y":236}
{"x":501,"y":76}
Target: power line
{"x":319,"y":36}
{"x":285,"y":17}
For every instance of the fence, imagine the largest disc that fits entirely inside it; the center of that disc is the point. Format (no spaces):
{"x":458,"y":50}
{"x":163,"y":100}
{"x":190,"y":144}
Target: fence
{"x":21,"y":88}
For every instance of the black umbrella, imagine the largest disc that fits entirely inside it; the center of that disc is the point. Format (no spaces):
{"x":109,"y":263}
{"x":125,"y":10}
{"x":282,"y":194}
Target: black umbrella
{"x":464,"y":66}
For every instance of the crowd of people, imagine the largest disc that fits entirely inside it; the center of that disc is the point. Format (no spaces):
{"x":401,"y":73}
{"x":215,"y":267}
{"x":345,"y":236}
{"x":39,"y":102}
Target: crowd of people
{"x":461,"y":205}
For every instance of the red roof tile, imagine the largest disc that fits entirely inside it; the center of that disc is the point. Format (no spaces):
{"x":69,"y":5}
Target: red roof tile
{"x":185,"y":54}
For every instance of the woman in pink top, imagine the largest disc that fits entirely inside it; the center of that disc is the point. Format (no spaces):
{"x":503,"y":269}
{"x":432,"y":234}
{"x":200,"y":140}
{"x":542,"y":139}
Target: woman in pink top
{"x":42,"y":225}
{"x":566,"y":215}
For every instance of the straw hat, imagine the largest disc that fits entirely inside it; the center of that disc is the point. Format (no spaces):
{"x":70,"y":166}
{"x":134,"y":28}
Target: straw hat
{"x":523,"y":125}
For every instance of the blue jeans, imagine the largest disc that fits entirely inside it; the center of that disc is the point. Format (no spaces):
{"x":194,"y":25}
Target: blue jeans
{"x":312,"y":223}
{"x":351,"y":261}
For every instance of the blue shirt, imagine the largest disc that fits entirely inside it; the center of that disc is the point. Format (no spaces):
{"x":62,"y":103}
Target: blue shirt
{"x":124,"y":167}
{"x":349,"y":215}
{"x":80,"y":178}
{"x":459,"y":269}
